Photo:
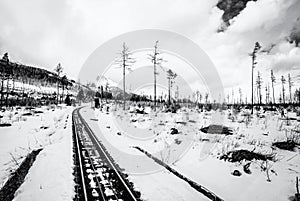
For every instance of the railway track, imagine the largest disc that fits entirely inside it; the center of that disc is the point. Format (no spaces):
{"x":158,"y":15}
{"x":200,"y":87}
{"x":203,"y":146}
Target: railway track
{"x":97,"y":176}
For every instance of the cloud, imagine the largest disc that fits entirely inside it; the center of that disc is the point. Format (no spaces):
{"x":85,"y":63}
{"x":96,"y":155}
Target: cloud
{"x":44,"y":33}
{"x":268,"y":22}
{"x":284,"y":62}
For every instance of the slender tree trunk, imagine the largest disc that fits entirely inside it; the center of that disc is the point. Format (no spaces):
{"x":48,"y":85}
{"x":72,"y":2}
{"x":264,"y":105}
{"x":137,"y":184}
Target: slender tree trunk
{"x":2,"y":89}
{"x":154,"y":86}
{"x":57,"y":98}
{"x":252,"y":85}
{"x":7,"y":88}
{"x":169,"y":99}
{"x":124,"y":65}
{"x":283,"y":95}
{"x":273,"y":93}
{"x":63,"y":92}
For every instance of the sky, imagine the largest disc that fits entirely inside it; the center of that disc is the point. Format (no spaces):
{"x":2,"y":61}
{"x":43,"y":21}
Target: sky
{"x":44,"y":33}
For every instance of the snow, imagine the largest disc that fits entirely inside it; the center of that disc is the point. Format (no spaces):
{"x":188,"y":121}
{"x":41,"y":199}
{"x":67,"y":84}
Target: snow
{"x":195,"y":155}
{"x":50,"y":177}
{"x":154,"y":185}
{"x":200,"y":162}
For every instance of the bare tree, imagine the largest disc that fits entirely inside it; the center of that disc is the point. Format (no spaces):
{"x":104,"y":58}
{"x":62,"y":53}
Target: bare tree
{"x":258,"y":83}
{"x":125,"y":60}
{"x":64,"y":84}
{"x":253,"y":55}
{"x":170,"y":76}
{"x":4,"y":74}
{"x":228,"y":98}
{"x":232,"y":94}
{"x":197,"y":94}
{"x":283,"y":90}
{"x":297,"y":96}
{"x":273,"y":80}
{"x":200,"y":98}
{"x":156,"y":60}
{"x":267,"y":94}
{"x":206,"y":98}
{"x":58,"y":70}
{"x":280,"y":98}
{"x":177,"y":93}
{"x":241,"y":95}
{"x":106,"y":89}
{"x":290,"y":87}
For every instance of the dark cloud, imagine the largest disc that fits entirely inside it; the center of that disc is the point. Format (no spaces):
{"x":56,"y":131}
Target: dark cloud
{"x":231,"y":8}
{"x":295,"y":33}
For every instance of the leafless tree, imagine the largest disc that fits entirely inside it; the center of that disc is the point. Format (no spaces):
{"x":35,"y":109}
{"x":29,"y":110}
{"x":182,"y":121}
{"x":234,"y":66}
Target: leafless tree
{"x":241,"y":95}
{"x":273,"y":80}
{"x":253,"y":56}
{"x":125,"y":60}
{"x":156,"y":59}
{"x":58,"y":70}
{"x":283,"y":90}
{"x":258,"y":83}
{"x":170,"y":76}
{"x":290,"y":86}
{"x":206,"y":98}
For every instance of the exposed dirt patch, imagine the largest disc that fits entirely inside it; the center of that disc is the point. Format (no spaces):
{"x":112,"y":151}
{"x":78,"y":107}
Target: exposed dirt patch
{"x":286,"y":145}
{"x":217,"y":129}
{"x":239,"y":155}
{"x":5,"y":125}
{"x":7,"y":192}
{"x":174,"y":131}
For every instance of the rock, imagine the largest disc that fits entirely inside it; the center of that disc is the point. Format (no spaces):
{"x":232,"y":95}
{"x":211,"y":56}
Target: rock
{"x":297,"y":197}
{"x":236,"y":173}
{"x":286,"y":145}
{"x":217,"y":129}
{"x":174,"y":131}
{"x":5,"y":124}
{"x":246,"y":168}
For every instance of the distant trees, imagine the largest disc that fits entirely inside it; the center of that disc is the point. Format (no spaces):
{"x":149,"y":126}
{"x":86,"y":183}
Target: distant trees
{"x":28,"y":79}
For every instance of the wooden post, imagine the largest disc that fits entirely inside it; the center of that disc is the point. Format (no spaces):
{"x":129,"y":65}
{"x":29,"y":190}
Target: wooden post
{"x":297,"y":195}
{"x":297,"y":185}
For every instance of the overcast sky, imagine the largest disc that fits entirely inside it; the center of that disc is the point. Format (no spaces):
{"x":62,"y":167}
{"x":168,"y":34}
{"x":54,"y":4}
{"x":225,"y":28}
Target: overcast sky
{"x":44,"y":33}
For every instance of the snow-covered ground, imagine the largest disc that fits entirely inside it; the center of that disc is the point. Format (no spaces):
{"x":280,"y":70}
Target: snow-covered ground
{"x":148,"y":177}
{"x":50,"y":177}
{"x":197,"y":154}
{"x":191,"y":152}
